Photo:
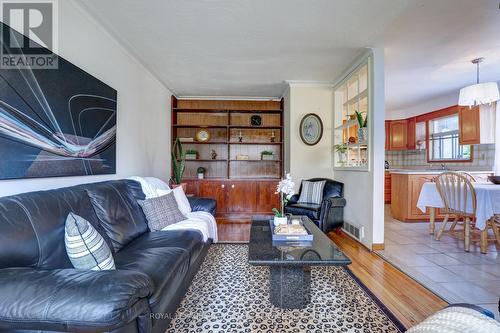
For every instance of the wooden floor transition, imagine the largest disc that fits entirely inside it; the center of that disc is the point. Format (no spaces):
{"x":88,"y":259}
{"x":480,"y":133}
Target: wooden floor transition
{"x":408,"y":300}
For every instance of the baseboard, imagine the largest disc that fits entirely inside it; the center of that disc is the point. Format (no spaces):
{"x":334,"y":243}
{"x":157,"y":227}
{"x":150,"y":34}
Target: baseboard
{"x":378,"y":246}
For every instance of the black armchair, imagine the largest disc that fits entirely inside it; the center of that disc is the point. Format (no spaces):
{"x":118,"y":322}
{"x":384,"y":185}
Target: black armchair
{"x":329,"y":214}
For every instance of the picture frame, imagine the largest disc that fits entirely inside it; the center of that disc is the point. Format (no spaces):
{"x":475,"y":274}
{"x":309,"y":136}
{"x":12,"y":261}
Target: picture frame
{"x":311,"y":129}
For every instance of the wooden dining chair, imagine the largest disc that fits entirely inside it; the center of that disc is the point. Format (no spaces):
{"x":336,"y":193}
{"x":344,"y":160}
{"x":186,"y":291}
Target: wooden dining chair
{"x":468,"y":176}
{"x":455,"y":189}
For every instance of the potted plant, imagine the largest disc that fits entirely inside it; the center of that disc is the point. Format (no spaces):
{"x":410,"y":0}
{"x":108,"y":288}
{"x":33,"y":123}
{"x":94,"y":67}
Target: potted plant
{"x":267,"y":155}
{"x":285,"y":189}
{"x":363,"y":127}
{"x":191,"y":154}
{"x":341,"y":150}
{"x":201,"y":172}
{"x":178,"y":165}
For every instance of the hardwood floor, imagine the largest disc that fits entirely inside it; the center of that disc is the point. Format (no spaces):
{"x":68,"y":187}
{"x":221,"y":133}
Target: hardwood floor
{"x":408,"y":300}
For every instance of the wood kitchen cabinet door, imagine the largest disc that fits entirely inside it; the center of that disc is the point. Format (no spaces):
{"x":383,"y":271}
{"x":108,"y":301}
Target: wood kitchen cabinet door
{"x":217,"y":190}
{"x":387,"y":134}
{"x":468,"y":120}
{"x":267,"y":199}
{"x":397,"y":134}
{"x":241,"y":196}
{"x":411,"y":133}
{"x":416,"y":183}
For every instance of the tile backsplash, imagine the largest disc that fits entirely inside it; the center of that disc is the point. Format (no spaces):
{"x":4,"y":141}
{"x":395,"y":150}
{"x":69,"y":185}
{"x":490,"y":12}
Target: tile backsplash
{"x":483,"y":158}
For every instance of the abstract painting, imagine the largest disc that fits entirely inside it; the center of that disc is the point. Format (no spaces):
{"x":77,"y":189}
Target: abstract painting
{"x":55,"y":122}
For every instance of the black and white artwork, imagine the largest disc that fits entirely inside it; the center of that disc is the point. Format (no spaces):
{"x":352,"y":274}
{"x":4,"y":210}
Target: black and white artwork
{"x":55,"y":122}
{"x":311,"y":129}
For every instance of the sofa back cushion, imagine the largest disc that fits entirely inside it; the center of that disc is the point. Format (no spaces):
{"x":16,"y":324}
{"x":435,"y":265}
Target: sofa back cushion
{"x":118,"y":211}
{"x":32,"y":227}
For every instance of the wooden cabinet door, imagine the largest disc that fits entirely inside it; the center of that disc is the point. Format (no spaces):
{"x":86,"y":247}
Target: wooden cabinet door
{"x":216,"y":190}
{"x":267,"y":199}
{"x":416,"y":183}
{"x":387,"y":134}
{"x":387,"y":188}
{"x":411,"y":133}
{"x":397,"y":134}
{"x":468,"y":120}
{"x":241,"y":196}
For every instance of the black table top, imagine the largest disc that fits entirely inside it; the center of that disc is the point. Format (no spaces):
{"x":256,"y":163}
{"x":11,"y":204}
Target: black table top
{"x":320,"y":252}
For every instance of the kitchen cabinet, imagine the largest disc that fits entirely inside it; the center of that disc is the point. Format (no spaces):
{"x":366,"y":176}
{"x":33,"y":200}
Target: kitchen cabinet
{"x":411,"y":132}
{"x":405,"y":190}
{"x":469,"y":129}
{"x":387,"y":187}
{"x":238,"y":199}
{"x":397,"y":134}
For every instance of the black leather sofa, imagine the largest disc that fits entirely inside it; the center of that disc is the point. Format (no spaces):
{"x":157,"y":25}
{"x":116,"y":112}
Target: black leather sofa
{"x":329,"y":214}
{"x":41,"y":291}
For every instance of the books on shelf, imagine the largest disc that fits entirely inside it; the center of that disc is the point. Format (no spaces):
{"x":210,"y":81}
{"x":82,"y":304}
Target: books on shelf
{"x":186,"y":139}
{"x":242,"y":157}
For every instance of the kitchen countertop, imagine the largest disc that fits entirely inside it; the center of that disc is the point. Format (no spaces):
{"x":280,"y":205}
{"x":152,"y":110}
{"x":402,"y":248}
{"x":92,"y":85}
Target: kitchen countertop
{"x":431,"y":172}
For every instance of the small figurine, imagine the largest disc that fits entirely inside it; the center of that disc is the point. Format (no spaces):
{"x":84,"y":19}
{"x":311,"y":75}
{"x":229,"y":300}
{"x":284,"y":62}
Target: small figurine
{"x":214,"y":154}
{"x":240,"y":136}
{"x":273,"y":137}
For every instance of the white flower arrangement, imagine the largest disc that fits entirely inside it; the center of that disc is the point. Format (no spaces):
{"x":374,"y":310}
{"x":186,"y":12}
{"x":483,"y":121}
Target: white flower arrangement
{"x":286,"y":189}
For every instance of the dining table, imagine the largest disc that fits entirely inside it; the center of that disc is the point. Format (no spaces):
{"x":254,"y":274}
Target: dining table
{"x":487,"y":197}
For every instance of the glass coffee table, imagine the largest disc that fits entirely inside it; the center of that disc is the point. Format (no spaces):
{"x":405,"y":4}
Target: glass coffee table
{"x":290,"y":261}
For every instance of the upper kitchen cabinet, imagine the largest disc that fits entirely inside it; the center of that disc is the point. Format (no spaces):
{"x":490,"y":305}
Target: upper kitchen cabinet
{"x":400,"y":134}
{"x":469,"y":125}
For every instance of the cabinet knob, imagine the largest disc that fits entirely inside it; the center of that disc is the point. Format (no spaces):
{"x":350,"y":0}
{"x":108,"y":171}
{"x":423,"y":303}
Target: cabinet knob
{"x":223,"y":186}
{"x":232,"y":186}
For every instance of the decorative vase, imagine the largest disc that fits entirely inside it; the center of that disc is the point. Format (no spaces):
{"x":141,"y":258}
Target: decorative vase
{"x":280,"y":220}
{"x":362,"y":134}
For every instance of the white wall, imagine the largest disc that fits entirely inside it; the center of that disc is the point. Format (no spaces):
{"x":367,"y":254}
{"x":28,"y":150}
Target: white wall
{"x":364,"y":191}
{"x":301,"y":160}
{"x":143,"y":109}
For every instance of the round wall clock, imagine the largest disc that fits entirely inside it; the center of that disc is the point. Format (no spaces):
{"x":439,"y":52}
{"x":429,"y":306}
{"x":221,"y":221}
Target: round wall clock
{"x":202,"y":135}
{"x":256,"y":120}
{"x":311,"y":129}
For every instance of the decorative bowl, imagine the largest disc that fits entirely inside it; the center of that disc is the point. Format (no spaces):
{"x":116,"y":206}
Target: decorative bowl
{"x":494,"y":179}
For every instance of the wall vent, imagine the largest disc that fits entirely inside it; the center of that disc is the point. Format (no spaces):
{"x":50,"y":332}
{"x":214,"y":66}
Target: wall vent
{"x":353,"y":230}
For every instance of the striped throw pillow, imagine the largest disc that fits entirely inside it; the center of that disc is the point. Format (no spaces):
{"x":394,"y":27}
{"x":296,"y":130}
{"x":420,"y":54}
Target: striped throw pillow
{"x":312,"y":192}
{"x":86,"y":248}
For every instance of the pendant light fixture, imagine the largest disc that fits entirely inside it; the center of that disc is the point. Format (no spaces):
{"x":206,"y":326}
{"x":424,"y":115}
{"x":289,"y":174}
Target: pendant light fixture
{"x":479,"y":93}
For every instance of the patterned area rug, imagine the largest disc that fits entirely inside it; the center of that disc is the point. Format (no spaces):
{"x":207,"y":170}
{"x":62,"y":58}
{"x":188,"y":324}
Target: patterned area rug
{"x":229,"y":295}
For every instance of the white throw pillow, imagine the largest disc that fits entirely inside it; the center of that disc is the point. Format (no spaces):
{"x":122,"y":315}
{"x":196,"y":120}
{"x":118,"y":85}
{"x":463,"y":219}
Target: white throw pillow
{"x":85,"y":247}
{"x":180,"y":197}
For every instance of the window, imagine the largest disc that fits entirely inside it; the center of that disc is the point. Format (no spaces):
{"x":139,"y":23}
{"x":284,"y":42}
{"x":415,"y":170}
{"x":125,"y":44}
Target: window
{"x":443,"y":141}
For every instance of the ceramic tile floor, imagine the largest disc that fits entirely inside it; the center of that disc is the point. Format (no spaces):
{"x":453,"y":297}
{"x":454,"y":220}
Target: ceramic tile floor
{"x":443,"y":266}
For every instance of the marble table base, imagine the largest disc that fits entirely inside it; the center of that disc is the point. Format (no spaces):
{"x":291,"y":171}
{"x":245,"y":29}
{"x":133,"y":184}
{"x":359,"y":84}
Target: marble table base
{"x":290,"y":286}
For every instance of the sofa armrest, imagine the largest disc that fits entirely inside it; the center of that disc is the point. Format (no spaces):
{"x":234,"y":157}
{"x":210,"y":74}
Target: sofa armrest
{"x":336,"y":201}
{"x":198,"y":204}
{"x":294,"y":199}
{"x":70,"y":300}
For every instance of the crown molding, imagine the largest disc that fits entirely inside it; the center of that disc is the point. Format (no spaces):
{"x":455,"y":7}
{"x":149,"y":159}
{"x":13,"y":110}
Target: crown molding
{"x":230,"y":98}
{"x":305,"y":84}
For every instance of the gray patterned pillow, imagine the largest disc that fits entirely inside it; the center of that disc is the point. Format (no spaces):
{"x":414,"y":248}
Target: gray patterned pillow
{"x":161,"y":211}
{"x":85,"y":247}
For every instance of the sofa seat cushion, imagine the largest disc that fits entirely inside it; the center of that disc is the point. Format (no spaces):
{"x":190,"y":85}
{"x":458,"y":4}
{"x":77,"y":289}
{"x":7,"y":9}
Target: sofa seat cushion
{"x":312,"y":211}
{"x":166,"y":267}
{"x":189,"y":240}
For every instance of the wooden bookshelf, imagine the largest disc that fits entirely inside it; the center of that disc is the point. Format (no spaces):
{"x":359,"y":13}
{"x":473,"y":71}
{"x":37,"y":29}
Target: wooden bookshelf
{"x":242,"y":187}
{"x":226,"y":121}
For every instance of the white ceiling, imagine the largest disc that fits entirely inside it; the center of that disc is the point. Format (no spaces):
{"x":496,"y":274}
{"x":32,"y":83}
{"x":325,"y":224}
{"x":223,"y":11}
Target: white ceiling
{"x":249,"y":48}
